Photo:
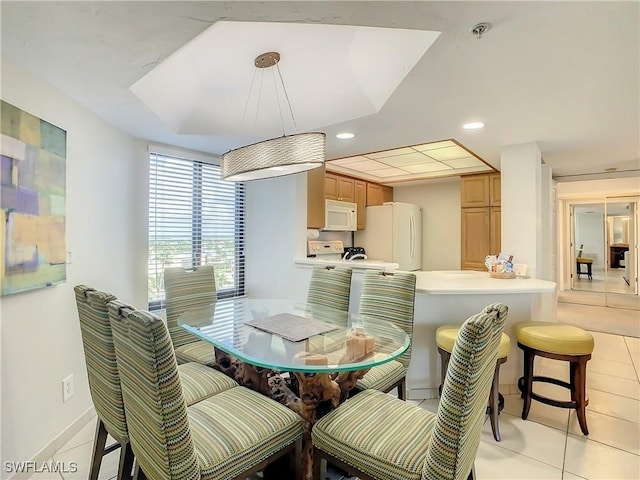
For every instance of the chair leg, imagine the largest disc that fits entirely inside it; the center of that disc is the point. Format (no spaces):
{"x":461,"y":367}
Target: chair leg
{"x":402,"y":389}
{"x":494,"y":409}
{"x":317,"y":464}
{"x":578,"y":391}
{"x":527,"y":383}
{"x":98,"y":450}
{"x":472,"y":473}
{"x":126,"y":462}
{"x":444,"y":364}
{"x":138,"y":474}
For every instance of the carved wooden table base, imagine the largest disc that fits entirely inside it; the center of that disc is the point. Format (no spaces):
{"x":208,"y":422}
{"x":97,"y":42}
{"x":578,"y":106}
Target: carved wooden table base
{"x":310,"y":395}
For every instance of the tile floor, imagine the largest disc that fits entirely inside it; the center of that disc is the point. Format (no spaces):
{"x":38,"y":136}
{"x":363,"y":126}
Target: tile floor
{"x":549,"y":445}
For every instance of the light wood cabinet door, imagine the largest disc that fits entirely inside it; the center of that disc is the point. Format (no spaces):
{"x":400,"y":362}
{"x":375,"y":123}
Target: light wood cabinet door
{"x":337,"y":187}
{"x":360,"y":194}
{"x":475,"y":233}
{"x":495,"y":190}
{"x":331,"y":185}
{"x":495,"y":229}
{"x":474,"y":190}
{"x":387,"y":194}
{"x":346,"y":187}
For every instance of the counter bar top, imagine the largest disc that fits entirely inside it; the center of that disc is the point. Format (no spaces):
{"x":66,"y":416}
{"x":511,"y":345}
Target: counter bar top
{"x":470,"y":282}
{"x":355,"y":264}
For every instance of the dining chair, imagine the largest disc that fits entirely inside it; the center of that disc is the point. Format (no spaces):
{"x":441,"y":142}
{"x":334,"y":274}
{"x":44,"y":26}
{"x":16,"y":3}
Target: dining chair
{"x":187,"y":288}
{"x":199,"y":381}
{"x":227,"y":436}
{"x":376,"y":436}
{"x":330,"y":287}
{"x":389,"y":296}
{"x":104,"y":381}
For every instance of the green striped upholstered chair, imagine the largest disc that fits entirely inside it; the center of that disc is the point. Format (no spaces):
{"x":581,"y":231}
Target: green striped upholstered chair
{"x":104,"y":381}
{"x":199,"y":381}
{"x":228,"y":436}
{"x":330,"y":287}
{"x":376,"y":436}
{"x":185,"y":289}
{"x":389,"y":297}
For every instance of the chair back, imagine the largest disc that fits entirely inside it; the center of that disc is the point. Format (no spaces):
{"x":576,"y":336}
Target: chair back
{"x":100,"y":357}
{"x":390,"y":297}
{"x":152,"y":393}
{"x":185,"y":289}
{"x":456,"y":433}
{"x":330,"y":287}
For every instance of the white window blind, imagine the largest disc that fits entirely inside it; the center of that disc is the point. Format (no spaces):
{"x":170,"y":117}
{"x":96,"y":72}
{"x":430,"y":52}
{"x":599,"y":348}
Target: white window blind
{"x":195,"y":218}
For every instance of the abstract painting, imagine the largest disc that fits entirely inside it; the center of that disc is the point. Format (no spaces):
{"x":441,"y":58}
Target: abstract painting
{"x":32,"y":204}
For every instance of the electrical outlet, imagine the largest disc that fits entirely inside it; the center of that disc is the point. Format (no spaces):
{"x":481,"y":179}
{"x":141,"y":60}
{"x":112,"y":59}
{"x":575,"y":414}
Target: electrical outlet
{"x":67,"y":388}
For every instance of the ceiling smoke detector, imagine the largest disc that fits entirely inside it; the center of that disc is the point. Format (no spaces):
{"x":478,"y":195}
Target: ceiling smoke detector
{"x":481,"y":28}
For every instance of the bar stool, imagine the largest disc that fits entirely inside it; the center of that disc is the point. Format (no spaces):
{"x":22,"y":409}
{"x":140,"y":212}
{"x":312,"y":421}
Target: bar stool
{"x":559,"y":342}
{"x":445,"y":338}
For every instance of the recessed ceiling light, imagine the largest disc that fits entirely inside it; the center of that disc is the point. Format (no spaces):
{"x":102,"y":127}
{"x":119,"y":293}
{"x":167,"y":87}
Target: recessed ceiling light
{"x":345,"y":135}
{"x":473,"y":125}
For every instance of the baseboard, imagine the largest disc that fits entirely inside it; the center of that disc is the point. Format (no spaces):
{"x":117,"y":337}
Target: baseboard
{"x":422,"y":393}
{"x":57,"y":443}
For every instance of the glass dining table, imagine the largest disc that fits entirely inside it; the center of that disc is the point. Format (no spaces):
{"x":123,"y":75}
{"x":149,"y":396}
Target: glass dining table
{"x":307,"y":357}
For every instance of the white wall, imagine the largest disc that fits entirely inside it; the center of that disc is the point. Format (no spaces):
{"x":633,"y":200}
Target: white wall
{"x":276,"y":234}
{"x":106,"y":233}
{"x":440,"y":202}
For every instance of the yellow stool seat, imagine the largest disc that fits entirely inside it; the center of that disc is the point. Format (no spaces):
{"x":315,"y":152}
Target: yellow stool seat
{"x":446,"y":337}
{"x":584,"y":260}
{"x":554,"y":337}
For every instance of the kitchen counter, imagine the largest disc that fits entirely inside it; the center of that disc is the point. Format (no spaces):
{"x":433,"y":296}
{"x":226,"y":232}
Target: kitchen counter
{"x":450,"y":297}
{"x":355,"y":264}
{"x":468,"y":282}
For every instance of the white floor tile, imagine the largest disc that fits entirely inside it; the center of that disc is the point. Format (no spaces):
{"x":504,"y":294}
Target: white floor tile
{"x":609,"y":430}
{"x":596,"y":461}
{"x":495,"y":463}
{"x":633,"y":344}
{"x":82,"y":456}
{"x":539,"y":412}
{"x":614,"y":385}
{"x":85,"y":435}
{"x":614,"y":405}
{"x":531,"y":439}
{"x":610,"y":347}
{"x":570,"y":476}
{"x":46,"y":475}
{"x":431,"y":405}
{"x":614,"y":369}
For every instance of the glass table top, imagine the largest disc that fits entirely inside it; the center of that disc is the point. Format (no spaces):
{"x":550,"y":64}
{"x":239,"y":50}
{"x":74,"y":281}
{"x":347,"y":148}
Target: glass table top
{"x":289,"y":336}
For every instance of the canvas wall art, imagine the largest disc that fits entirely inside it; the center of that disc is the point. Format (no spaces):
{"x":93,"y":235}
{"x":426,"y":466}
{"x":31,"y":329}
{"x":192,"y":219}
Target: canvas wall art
{"x":32,"y":204}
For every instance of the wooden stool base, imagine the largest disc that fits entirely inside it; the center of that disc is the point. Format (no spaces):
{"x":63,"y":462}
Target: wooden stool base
{"x":576,"y":384}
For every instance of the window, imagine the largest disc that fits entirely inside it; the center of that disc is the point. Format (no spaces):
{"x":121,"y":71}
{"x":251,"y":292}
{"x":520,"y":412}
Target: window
{"x":195,"y":218}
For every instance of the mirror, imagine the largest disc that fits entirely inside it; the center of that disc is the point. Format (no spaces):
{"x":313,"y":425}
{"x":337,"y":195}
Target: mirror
{"x":618,"y":230}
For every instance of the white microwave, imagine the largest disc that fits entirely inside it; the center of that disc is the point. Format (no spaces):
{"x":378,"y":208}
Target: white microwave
{"x":340,"y":216}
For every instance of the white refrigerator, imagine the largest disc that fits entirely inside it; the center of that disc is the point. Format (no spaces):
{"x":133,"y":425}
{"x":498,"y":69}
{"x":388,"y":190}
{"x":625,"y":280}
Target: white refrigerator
{"x":393,"y":233}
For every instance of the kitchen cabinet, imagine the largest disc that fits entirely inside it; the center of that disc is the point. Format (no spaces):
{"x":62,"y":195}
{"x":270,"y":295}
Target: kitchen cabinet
{"x":360,"y":196}
{"x":378,"y":194}
{"x":480,"y":190}
{"x":337,"y":187}
{"x":480,"y":219}
{"x":323,"y":185}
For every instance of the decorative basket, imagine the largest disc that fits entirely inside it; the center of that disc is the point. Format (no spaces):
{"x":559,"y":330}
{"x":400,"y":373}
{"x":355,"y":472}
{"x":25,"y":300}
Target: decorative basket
{"x":502,"y":274}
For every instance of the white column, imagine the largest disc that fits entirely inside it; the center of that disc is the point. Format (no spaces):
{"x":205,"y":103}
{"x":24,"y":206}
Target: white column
{"x":521,"y":205}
